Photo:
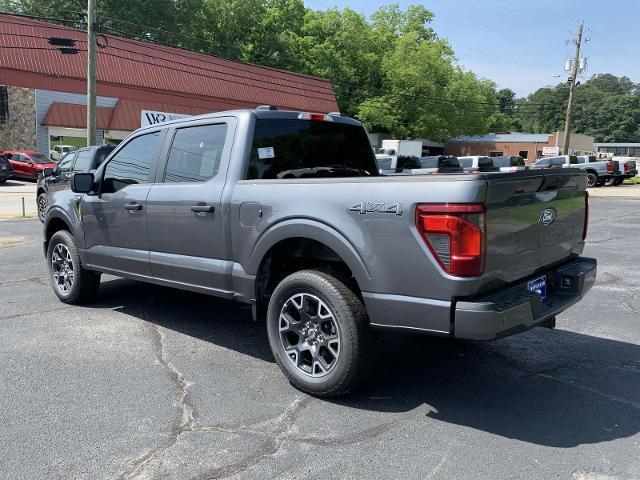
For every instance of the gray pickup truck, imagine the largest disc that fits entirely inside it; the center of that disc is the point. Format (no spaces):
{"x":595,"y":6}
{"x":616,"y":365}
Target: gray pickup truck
{"x":599,"y":172}
{"x":287,"y":212}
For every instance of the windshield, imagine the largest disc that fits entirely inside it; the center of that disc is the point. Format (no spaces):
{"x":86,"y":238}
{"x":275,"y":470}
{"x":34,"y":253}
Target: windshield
{"x":39,"y":158}
{"x":305,"y":148}
{"x":384,"y":163}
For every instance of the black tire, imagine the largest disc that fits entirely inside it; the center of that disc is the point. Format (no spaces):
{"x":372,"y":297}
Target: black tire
{"x":347,"y":313}
{"x":85,"y":283}
{"x":618,"y":181}
{"x":609,"y":182}
{"x":592,"y":180}
{"x":42,"y":206}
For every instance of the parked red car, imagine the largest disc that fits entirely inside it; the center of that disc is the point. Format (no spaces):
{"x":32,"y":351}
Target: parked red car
{"x":28,"y":164}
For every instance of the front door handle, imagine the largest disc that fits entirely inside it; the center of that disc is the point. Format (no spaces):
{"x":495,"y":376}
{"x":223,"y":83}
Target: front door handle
{"x":203,"y":208}
{"x":133,"y":206}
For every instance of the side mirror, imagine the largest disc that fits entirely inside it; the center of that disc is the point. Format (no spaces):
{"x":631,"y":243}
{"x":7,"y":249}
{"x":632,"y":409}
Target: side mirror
{"x":47,"y":172}
{"x":82,"y":182}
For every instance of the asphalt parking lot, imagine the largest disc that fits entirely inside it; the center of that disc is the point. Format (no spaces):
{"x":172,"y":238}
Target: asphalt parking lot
{"x":154,"y":383}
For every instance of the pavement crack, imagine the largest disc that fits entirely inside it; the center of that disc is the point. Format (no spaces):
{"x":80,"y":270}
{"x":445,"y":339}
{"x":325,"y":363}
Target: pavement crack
{"x":184,"y":404}
{"x":628,"y":305}
{"x":348,"y":439}
{"x":270,"y":446}
{"x":26,"y":314}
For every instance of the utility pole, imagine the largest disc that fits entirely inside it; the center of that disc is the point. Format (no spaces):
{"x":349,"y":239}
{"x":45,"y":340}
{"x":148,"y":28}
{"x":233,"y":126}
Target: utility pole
{"x":91,"y":72}
{"x":572,"y":86}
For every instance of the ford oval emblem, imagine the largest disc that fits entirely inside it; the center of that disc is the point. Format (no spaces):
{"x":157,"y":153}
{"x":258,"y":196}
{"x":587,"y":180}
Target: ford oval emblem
{"x":547,"y":216}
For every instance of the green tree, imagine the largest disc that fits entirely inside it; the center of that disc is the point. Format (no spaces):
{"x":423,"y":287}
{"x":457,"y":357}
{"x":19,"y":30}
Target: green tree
{"x":606,"y":107}
{"x":391,"y":70}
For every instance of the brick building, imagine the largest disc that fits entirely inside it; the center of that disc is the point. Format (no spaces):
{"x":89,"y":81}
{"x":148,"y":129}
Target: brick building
{"x":43,"y":91}
{"x":529,"y":146}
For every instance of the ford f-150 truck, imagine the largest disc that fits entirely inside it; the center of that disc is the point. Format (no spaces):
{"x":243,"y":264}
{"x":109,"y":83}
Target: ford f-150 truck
{"x":330,"y":251}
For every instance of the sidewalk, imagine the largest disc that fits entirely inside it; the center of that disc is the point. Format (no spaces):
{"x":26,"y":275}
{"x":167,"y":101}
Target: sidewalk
{"x":626,"y":191}
{"x":11,"y":194}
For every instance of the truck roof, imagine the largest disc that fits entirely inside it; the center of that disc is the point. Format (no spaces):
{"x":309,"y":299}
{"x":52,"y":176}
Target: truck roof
{"x":258,"y":112}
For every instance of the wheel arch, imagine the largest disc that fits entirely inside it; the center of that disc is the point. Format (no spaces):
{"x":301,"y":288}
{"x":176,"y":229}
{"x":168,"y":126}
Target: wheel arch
{"x":56,"y":220}
{"x":298,"y":244}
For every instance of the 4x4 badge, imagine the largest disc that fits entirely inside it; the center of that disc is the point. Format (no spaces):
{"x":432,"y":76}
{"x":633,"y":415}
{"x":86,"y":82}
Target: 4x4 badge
{"x":377,"y":207}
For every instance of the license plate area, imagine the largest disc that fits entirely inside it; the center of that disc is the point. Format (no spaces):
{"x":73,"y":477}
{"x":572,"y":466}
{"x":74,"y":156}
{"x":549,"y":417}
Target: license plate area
{"x":538,"y":285}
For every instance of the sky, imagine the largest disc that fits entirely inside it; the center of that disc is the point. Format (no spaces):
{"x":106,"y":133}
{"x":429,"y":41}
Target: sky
{"x":523,"y":44}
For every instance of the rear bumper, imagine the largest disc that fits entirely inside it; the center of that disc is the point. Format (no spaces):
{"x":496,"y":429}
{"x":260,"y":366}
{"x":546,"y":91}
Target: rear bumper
{"x":515,"y":309}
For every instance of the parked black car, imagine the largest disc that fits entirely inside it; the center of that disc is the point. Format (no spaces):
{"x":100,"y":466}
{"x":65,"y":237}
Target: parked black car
{"x":5,"y":167}
{"x":444,"y":163}
{"x":82,"y":160}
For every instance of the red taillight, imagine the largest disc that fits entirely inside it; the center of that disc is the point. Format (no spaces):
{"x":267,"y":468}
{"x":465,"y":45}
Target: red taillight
{"x":626,"y":167}
{"x":586,"y":215}
{"x":455,"y":235}
{"x":609,"y":166}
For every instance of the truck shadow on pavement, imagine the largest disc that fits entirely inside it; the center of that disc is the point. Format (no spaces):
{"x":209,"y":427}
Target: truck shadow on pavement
{"x":547,"y":387}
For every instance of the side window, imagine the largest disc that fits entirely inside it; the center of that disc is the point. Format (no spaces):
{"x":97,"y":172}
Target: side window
{"x":82,"y":161}
{"x":485,"y":162}
{"x":466,"y":162}
{"x":195,"y":153}
{"x":132,"y":163}
{"x":543,"y":163}
{"x":66,"y":164}
{"x":573,"y":160}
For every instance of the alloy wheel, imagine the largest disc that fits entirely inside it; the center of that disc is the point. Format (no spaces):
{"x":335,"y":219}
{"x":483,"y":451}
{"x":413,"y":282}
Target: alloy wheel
{"x":309,"y":335}
{"x":42,"y":206}
{"x":62,"y":268}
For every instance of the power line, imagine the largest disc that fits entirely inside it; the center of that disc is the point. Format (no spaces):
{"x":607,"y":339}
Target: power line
{"x":369,"y":90}
{"x":457,"y":103}
{"x":149,"y":45}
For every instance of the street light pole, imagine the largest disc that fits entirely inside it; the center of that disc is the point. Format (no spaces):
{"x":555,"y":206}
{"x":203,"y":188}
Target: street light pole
{"x":572,"y":86}
{"x":91,"y":72}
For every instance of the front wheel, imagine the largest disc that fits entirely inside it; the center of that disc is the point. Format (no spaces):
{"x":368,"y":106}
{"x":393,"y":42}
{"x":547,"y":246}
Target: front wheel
{"x":71,"y":282}
{"x":42,"y":206}
{"x":319,"y":333}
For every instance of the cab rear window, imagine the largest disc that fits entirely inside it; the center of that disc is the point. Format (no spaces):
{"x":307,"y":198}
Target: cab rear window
{"x":290,"y":148}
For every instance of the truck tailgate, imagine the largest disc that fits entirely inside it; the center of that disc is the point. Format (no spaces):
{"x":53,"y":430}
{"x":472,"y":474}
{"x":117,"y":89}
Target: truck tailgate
{"x":534,"y":219}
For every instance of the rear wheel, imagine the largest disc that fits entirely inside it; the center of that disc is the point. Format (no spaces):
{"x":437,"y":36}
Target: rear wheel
{"x":618,"y":181}
{"x":42,"y":206}
{"x":71,"y":282}
{"x":609,"y":182}
{"x":319,"y":333}
{"x":592,"y":180}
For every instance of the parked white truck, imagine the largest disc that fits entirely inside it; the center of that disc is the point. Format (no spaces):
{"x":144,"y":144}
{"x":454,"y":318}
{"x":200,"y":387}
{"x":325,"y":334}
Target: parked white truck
{"x":411,"y":148}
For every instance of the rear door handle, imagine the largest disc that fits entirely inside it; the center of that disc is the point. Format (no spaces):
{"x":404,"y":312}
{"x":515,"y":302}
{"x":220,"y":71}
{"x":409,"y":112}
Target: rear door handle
{"x":133,"y":206}
{"x":203,"y":208}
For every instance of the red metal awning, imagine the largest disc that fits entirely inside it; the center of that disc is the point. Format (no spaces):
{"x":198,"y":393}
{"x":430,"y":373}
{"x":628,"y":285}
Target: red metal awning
{"x":75,"y":116}
{"x":126,"y":114}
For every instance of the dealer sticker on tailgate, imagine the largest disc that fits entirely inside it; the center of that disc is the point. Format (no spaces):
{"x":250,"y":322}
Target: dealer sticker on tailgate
{"x":539,"y":286}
